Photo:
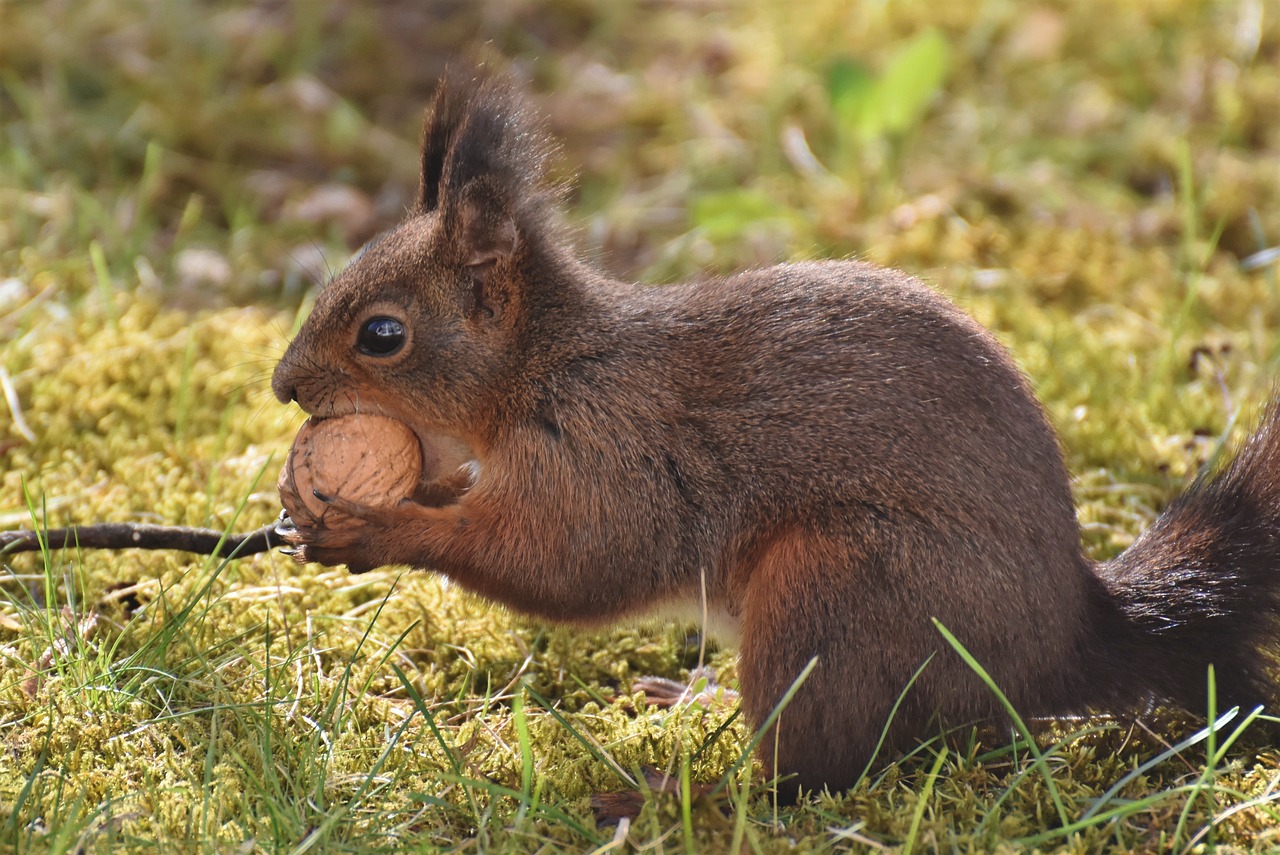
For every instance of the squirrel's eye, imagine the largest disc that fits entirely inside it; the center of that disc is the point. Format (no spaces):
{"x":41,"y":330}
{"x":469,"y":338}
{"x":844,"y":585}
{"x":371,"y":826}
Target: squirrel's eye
{"x":380,"y":337}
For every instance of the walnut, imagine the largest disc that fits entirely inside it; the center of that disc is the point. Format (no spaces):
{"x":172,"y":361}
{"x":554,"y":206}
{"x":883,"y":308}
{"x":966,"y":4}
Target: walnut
{"x":370,"y":460}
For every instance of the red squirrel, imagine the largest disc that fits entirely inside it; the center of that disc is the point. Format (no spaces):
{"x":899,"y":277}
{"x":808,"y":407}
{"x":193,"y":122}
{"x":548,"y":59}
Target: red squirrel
{"x":839,"y":452}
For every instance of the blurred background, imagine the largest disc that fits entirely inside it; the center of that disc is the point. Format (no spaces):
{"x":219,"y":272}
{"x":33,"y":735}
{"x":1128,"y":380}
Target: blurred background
{"x":228,"y":151}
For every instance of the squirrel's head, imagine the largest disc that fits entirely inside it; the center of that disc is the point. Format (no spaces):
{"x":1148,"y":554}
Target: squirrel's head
{"x":430,"y":315}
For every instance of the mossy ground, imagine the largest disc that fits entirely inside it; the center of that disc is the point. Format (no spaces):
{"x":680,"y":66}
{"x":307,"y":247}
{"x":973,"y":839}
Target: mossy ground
{"x":1097,"y":182}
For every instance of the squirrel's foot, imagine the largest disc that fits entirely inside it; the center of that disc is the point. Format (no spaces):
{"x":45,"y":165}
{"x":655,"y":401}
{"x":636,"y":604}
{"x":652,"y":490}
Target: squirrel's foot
{"x":702,"y":689}
{"x":612,"y":808}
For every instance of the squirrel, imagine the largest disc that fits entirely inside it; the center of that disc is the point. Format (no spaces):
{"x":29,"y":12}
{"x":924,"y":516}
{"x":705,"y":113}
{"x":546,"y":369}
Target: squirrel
{"x":836,"y":451}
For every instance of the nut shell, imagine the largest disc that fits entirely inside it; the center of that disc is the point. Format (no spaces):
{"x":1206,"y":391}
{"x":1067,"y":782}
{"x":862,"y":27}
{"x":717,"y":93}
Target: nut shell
{"x":370,"y":460}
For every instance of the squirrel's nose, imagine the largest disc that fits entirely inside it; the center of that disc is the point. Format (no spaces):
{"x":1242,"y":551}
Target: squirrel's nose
{"x":285,"y":394}
{"x":285,"y":390}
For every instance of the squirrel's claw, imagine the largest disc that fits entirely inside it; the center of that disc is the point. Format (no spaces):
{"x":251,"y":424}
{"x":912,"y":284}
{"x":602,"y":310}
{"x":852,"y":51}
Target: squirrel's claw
{"x":285,"y":526}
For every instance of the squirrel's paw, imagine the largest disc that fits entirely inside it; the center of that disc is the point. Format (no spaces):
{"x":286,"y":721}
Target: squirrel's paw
{"x":701,"y":689}
{"x":407,"y":511}
{"x":353,"y":534}
{"x":318,"y":544}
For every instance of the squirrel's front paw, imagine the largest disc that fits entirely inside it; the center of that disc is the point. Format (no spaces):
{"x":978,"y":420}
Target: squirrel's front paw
{"x":359,"y":536}
{"x":316,"y":542}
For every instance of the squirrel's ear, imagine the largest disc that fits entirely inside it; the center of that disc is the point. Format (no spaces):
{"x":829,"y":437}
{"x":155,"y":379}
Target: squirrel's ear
{"x":487,"y":230}
{"x":486,"y":235}
{"x":439,"y":126}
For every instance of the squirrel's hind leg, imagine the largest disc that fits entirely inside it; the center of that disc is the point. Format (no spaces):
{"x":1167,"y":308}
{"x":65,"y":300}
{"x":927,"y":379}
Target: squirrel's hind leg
{"x":810,"y":595}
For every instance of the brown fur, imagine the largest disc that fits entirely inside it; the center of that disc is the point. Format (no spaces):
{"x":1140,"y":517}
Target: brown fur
{"x":839,"y":450}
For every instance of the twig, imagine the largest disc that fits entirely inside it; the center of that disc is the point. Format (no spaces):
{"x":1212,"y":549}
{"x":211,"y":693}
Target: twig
{"x":204,"y":541}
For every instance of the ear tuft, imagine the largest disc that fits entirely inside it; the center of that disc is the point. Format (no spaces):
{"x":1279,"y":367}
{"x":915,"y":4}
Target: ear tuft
{"x":446,"y":114}
{"x":479,"y":131}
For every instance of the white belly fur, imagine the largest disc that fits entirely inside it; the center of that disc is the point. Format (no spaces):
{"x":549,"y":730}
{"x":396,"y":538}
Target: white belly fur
{"x":716,"y":622}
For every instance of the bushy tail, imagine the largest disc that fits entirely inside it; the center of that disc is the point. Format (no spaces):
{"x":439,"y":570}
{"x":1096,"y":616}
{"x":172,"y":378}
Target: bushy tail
{"x":1201,"y":587}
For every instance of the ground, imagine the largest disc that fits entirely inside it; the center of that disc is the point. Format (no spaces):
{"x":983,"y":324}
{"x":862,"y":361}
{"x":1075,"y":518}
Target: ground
{"x":1096,"y":182}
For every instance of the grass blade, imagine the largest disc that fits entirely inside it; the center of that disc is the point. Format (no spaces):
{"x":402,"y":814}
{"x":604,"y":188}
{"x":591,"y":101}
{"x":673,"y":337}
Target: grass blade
{"x":1013,"y":717}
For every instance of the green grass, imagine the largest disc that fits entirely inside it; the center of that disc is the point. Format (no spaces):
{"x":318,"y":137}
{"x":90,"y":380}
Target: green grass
{"x":1094,"y":181}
